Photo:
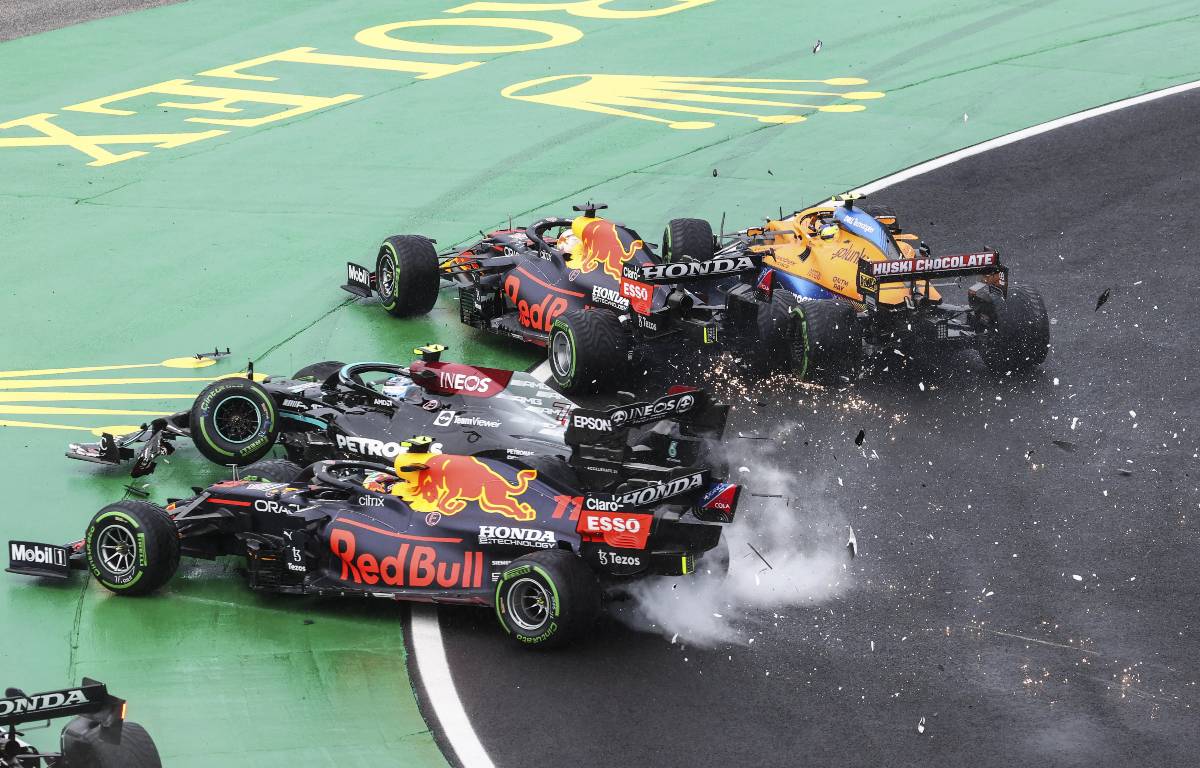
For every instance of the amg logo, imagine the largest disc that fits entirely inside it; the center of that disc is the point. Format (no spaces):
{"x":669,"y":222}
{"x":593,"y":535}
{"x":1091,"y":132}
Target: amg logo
{"x":514,"y":536}
{"x":357,"y":274}
{"x":652,"y":494}
{"x":724,"y":265}
{"x":42,"y":702}
{"x":295,"y":404}
{"x":20,"y":552}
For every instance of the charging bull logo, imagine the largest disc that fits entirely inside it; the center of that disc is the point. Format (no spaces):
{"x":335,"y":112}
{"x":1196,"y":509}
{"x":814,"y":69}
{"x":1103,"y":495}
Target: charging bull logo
{"x":446,"y":483}
{"x":603,"y":249}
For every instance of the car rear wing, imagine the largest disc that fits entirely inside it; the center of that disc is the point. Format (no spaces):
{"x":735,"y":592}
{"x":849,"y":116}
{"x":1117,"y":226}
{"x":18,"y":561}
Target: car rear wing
{"x":91,"y":698}
{"x":671,"y":273}
{"x":872,"y":274}
{"x":671,"y":434}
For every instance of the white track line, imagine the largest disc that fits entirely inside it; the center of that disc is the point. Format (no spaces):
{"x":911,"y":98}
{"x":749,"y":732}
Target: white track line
{"x":428,"y":649}
{"x":1015,"y":136}
{"x":430,"y":654}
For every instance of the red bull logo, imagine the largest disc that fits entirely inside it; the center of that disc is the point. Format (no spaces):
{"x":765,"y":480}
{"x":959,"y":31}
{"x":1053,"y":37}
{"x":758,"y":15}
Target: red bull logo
{"x":413,"y":565}
{"x":602,"y":249}
{"x":447,"y":483}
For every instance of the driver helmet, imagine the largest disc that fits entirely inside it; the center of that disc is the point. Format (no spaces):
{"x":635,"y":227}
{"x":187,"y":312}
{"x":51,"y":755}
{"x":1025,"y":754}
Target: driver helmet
{"x":398,"y":387}
{"x":568,"y":241}
{"x":379,"y":482}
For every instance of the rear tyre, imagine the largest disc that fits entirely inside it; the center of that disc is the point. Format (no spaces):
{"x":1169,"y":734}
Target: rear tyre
{"x":1018,"y":334}
{"x":825,"y":340}
{"x":132,"y":547}
{"x":588,"y":350}
{"x":234,"y":421}
{"x":406,"y":275}
{"x":771,"y":350}
{"x":687,"y":237}
{"x":273,"y":471}
{"x":318,"y":372}
{"x":83,"y":748}
{"x":547,"y":599}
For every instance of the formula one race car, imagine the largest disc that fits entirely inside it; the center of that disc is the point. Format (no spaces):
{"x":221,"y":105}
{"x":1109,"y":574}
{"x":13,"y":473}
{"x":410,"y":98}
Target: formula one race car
{"x":838,"y":283}
{"x":595,"y":295}
{"x":97,"y":737}
{"x":363,"y":410}
{"x":530,"y":535}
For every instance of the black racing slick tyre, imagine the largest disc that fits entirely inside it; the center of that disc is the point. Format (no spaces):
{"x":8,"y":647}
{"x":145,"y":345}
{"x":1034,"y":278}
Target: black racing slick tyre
{"x":1018,"y":334}
{"x":132,"y":547}
{"x":234,"y":421}
{"x":687,"y":237}
{"x":83,"y":747}
{"x":771,"y":350}
{"x":318,"y":372}
{"x":272,"y":471}
{"x":588,"y":350}
{"x":406,"y":275}
{"x":547,"y":599}
{"x":826,"y":341}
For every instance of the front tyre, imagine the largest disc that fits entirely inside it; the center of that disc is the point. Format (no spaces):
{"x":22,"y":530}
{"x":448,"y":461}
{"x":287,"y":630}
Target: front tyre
{"x":407,"y":275}
{"x":687,"y":237}
{"x":234,"y":421}
{"x":132,"y":547}
{"x":83,"y":746}
{"x":1017,"y":336}
{"x":587,"y":350}
{"x":547,"y":599}
{"x":272,"y":471}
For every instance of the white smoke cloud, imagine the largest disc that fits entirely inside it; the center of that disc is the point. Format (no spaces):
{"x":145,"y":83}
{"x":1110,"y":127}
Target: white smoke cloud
{"x":787,"y":548}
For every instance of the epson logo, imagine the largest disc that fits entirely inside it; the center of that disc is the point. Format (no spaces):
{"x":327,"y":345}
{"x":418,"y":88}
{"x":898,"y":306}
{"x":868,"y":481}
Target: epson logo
{"x":357,"y":274}
{"x":502,"y":534}
{"x":366,"y":446}
{"x":659,"y":491}
{"x":690,"y":269}
{"x":463,"y":382}
{"x":592,"y":422}
{"x":42,"y":702}
{"x":37,"y":555}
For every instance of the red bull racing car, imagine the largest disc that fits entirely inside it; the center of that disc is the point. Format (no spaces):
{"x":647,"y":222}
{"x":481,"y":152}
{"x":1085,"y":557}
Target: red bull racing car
{"x":96,"y":737}
{"x":589,"y":290}
{"x":534,"y":537}
{"x":359,"y":411}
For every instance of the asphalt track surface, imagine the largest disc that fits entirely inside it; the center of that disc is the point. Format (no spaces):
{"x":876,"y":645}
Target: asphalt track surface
{"x":19,"y":18}
{"x":1022,"y":601}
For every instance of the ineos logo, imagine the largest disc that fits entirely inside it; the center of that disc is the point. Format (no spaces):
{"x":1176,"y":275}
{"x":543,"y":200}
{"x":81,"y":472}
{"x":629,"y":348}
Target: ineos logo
{"x":463,"y":382}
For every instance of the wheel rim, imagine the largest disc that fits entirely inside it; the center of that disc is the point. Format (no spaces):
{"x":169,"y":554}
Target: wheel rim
{"x":561,"y":354}
{"x":386,"y":276}
{"x":528,"y":604}
{"x":236,"y":419}
{"x":117,"y":549}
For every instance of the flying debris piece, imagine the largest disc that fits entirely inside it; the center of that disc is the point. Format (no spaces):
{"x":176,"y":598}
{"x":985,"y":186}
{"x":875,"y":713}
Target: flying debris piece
{"x":964,"y":117}
{"x":1077,"y":577}
{"x":852,"y":547}
{"x":141,"y":493}
{"x":216,"y":354}
{"x":862,"y":435}
{"x":760,"y":557}
{"x":714,"y":173}
{"x":1103,"y":298}
{"x":817,"y":47}
{"x":769,"y":172}
{"x":1125,"y":472}
{"x":921,"y":725}
{"x":309,"y":622}
{"x":1067,"y":446}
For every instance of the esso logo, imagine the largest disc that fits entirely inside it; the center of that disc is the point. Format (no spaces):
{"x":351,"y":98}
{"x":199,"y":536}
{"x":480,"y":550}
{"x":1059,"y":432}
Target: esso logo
{"x":463,"y":382}
{"x":634,"y":290}
{"x":613,"y":524}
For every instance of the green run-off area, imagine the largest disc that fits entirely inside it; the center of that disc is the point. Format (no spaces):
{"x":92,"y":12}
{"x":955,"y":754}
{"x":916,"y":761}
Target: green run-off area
{"x":198,"y":175}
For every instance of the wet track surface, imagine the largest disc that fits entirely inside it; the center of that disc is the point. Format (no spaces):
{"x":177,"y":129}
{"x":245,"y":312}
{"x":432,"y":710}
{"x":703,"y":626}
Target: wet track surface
{"x":1033,"y":601}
